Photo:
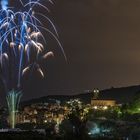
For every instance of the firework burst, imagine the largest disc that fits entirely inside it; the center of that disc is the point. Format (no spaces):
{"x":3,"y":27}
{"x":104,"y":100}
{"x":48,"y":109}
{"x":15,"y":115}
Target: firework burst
{"x":22,"y":43}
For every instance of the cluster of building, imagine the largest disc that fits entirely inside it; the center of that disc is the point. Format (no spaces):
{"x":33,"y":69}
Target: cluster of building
{"x":41,"y":113}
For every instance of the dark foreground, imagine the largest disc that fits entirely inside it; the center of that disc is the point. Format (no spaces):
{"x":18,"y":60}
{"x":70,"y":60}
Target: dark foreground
{"x":36,"y":136}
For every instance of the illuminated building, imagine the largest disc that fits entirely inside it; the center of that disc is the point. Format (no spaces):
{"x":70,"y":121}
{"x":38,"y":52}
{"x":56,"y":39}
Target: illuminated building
{"x":102,"y":103}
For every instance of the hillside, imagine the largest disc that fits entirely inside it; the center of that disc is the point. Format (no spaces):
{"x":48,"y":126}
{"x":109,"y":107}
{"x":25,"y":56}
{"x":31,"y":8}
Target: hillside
{"x":121,"y":95}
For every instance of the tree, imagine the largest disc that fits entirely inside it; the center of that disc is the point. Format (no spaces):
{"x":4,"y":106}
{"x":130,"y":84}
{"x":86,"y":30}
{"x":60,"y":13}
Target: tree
{"x":77,"y":117}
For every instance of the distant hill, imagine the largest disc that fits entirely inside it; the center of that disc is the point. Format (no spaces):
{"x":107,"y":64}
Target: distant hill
{"x":121,"y":95}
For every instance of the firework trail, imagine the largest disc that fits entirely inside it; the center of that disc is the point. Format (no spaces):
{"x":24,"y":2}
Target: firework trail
{"x":13,"y":99}
{"x":21,"y":40}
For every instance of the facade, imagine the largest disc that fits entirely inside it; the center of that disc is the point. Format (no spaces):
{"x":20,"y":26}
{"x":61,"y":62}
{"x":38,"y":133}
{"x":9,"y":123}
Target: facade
{"x":101,"y":103}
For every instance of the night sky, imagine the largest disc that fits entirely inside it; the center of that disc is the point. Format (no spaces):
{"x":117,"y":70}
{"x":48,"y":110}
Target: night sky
{"x":101,"y":39}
